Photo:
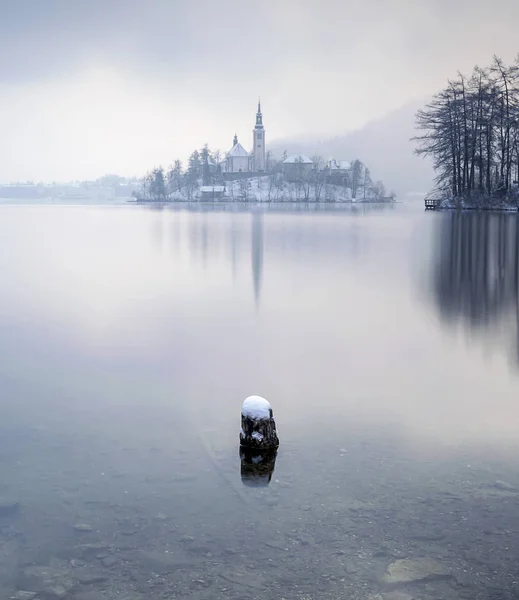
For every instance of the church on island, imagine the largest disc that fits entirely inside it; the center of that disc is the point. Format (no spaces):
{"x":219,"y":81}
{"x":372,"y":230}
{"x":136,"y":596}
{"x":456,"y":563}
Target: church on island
{"x":238,"y":160}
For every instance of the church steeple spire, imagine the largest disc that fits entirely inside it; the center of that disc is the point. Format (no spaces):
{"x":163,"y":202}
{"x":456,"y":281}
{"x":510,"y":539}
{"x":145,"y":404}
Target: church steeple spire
{"x":259,"y":116}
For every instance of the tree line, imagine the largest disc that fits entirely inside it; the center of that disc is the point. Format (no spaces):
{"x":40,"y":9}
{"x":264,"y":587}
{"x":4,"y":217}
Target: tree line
{"x":162,"y":184}
{"x":471,"y":131}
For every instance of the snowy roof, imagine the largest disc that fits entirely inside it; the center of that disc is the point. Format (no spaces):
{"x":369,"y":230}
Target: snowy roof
{"x":237,"y":150}
{"x":212,"y":188}
{"x":298,"y":159}
{"x":338,"y":164}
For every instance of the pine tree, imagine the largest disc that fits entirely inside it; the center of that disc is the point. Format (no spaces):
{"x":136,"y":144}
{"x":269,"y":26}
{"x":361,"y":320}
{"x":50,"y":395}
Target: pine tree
{"x":158,"y":184}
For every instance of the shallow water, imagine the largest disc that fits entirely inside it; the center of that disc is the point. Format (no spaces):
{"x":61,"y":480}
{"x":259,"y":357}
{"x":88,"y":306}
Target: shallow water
{"x":385,"y":338}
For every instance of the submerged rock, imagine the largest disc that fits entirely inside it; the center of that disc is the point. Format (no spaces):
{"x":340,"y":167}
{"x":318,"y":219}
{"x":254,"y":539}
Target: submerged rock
{"x":89,"y":596}
{"x":8,"y":507}
{"x":416,"y":569}
{"x":504,"y":486}
{"x":161,"y":562}
{"x":398,"y":596}
{"x":109,"y":561}
{"x":88,"y":577}
{"x":22,"y":595}
{"x":46,"y":581}
{"x":82,"y":527}
{"x":75,"y":562}
{"x":91,"y":549}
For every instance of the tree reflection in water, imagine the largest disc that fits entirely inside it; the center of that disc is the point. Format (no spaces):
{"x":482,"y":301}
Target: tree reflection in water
{"x":477,"y":273}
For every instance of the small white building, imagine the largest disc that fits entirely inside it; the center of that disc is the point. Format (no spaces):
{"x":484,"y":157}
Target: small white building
{"x":338,"y":166}
{"x":209,"y":193}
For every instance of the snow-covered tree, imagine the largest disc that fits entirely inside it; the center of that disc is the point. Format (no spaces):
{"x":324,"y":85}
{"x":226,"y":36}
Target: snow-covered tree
{"x":244,"y":187}
{"x":205,"y":157}
{"x":379,"y":190}
{"x":471,"y":130}
{"x":175,"y":176}
{"x":193,"y":173}
{"x":153,"y":185}
{"x":367,"y":181}
{"x":357,"y":169}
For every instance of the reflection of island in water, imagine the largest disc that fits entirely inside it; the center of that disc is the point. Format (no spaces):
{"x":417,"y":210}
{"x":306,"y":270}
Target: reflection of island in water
{"x":477,"y":278}
{"x":243,"y":238}
{"x":257,"y":253}
{"x":257,"y":466}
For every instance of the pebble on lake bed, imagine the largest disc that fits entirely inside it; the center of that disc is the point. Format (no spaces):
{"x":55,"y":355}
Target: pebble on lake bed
{"x":417,"y":569}
{"x":82,"y":527}
{"x":258,"y":428}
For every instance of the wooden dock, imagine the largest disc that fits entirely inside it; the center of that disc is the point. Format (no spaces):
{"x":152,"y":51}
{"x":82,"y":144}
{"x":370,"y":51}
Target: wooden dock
{"x":432,"y":203}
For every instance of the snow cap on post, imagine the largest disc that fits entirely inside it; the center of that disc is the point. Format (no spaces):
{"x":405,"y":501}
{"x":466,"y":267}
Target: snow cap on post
{"x":256,"y":407}
{"x":258,"y":428}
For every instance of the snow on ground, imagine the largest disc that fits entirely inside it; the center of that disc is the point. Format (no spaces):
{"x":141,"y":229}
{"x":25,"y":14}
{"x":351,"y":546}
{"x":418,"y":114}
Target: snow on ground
{"x":256,"y":407}
{"x":268,"y":188}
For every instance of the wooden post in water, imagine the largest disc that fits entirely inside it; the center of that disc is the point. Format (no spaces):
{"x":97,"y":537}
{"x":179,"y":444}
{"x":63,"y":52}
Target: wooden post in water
{"x":258,"y":428}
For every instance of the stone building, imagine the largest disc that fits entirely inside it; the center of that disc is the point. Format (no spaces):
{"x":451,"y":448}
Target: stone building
{"x":297,"y":167}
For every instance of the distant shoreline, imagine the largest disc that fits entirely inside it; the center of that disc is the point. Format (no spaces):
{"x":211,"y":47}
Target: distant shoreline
{"x":388,"y":200}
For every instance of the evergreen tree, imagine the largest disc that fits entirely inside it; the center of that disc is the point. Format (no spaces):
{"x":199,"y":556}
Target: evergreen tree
{"x":193,"y":174}
{"x":356,"y":177}
{"x":194,"y":165}
{"x":367,"y":181}
{"x":174,"y":177}
{"x":158,"y":184}
{"x":205,"y":157}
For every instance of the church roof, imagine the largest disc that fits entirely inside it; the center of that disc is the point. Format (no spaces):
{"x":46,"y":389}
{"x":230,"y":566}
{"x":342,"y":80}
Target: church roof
{"x":237,"y":150}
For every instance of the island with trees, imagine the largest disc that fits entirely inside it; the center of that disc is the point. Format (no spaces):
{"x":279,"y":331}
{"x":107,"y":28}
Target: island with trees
{"x":471,"y":131}
{"x":289,"y":178}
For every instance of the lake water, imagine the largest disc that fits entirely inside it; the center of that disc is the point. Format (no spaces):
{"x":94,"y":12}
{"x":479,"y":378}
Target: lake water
{"x":385,"y":338}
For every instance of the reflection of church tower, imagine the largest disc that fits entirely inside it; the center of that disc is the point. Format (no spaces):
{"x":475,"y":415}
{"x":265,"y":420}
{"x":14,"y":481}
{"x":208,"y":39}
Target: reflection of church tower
{"x":258,"y":148}
{"x":257,"y":253}
{"x":234,"y":249}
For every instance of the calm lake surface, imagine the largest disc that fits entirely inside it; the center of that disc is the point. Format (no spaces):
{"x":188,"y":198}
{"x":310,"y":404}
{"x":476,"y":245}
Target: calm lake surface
{"x":385,"y":338}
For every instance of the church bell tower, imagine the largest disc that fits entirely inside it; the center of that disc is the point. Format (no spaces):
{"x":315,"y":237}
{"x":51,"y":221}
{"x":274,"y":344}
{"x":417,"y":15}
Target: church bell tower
{"x":258,"y":151}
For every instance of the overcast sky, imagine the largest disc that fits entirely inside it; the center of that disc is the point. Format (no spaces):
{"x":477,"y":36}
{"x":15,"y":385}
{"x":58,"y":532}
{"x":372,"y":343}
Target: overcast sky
{"x":95,"y":86}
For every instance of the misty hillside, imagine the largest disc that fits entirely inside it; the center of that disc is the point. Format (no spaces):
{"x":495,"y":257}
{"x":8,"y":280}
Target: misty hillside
{"x":383,"y":145}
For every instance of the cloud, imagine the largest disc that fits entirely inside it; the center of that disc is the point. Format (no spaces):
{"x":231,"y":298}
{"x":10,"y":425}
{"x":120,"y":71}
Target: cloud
{"x":177,"y":74}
